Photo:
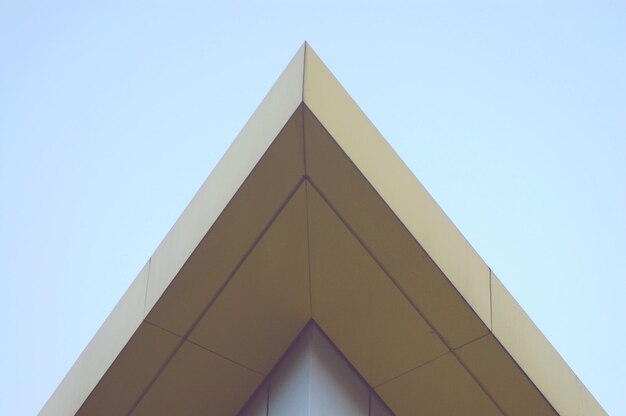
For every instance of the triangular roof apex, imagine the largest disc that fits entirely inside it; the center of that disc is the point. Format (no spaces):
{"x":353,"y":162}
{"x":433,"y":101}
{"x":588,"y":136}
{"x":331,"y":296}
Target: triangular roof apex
{"x":310,"y":180}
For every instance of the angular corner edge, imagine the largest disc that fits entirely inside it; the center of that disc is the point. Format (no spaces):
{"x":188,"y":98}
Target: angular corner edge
{"x":101,"y":351}
{"x":230,"y":172}
{"x":536,"y":356}
{"x":397,"y":185}
{"x":243,"y":154}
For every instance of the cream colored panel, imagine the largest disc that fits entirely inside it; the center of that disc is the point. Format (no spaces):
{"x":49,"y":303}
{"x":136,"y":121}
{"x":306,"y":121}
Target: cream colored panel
{"x":441,"y":387}
{"x":358,"y":306}
{"x":198,"y":383}
{"x":226,"y":178}
{"x":199,"y":216}
{"x":234,"y":233}
{"x":131,"y":373}
{"x":267,"y":302}
{"x":395,"y":183}
{"x":503,"y":379}
{"x":590,"y":405}
{"x":391,"y":243}
{"x":538,"y":358}
{"x":101,"y":351}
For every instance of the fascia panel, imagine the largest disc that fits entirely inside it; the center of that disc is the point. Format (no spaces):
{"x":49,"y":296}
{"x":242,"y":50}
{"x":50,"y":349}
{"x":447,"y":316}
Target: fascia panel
{"x":267,"y":301}
{"x":538,"y":358}
{"x":101,"y":351}
{"x":226,"y":178}
{"x":505,"y":381}
{"x":386,"y":239}
{"x":230,"y":239}
{"x":198,"y":217}
{"x":396,"y":184}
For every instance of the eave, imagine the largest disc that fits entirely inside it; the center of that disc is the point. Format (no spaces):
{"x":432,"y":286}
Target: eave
{"x":310,"y":214}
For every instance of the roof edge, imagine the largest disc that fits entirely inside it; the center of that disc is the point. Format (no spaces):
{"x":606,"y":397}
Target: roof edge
{"x":396,"y":184}
{"x":442,"y":240}
{"x":198,"y":217}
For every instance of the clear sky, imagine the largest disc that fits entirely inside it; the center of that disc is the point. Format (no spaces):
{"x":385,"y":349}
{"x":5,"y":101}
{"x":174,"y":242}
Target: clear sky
{"x":112,"y":113}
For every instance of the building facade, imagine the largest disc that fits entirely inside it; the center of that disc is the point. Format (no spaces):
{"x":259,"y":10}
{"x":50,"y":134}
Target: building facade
{"x":313,"y":274}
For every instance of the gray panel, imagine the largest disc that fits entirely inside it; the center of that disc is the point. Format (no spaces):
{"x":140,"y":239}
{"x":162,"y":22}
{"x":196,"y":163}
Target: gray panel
{"x":378,"y":408}
{"x":314,"y":379}
{"x":257,"y":405}
{"x":336,"y":388}
{"x":289,"y":383}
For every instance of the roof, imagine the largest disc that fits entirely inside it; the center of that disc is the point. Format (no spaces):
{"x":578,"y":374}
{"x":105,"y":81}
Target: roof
{"x":310,"y":214}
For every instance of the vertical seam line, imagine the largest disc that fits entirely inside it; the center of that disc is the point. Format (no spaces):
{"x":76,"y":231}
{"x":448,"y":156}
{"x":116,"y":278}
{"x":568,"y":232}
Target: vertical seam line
{"x":267,"y":402}
{"x":145,"y":298}
{"x":490,"y":301}
{"x":308,"y":244}
{"x":306,"y":46}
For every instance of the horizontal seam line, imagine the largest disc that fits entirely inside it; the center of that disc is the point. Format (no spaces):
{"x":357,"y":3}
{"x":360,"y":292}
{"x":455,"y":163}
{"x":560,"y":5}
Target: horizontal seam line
{"x":405,"y":295}
{"x":216,"y":295}
{"x":207,"y":349}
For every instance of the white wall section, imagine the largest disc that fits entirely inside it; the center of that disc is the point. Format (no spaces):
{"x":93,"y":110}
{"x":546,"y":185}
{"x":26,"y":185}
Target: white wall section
{"x":314,"y":379}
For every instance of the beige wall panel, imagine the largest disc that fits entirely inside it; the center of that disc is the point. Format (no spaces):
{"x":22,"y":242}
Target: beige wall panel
{"x":358,"y":306}
{"x":101,"y":351}
{"x":441,"y":387}
{"x":353,"y":298}
{"x":590,"y":405}
{"x":249,"y":146}
{"x":267,"y":302}
{"x":391,"y":243}
{"x":226,"y":178}
{"x":199,"y":383}
{"x":503,"y":379}
{"x":236,"y":230}
{"x":397,"y":185}
{"x":540,"y":361}
{"x":131,"y":373}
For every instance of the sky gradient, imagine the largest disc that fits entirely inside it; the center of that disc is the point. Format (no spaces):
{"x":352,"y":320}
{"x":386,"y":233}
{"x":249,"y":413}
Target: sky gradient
{"x":512,"y":114}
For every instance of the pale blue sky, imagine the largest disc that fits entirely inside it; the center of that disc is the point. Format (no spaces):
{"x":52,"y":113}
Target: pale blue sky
{"x":112,"y":113}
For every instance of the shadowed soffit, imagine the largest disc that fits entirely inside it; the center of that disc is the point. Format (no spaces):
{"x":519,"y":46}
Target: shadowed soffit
{"x":311,"y":215}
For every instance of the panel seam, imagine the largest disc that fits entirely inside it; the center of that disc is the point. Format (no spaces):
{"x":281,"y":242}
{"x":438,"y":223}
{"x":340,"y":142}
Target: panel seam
{"x":267,"y":401}
{"x":443,"y":354}
{"x":490,"y":301}
{"x":393,"y":213}
{"x":404,"y":294}
{"x":306,"y":46}
{"x":145,"y":298}
{"x":308,"y":243}
{"x":215,"y":296}
{"x":209,"y":350}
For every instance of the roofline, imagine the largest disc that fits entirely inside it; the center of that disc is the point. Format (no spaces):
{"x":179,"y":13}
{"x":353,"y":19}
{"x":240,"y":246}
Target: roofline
{"x":306,"y":79}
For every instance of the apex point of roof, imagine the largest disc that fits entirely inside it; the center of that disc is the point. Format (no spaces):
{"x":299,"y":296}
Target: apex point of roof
{"x":311,"y":215}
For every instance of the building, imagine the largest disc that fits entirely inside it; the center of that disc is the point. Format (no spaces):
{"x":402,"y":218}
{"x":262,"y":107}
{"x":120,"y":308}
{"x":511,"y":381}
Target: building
{"x":313,"y":274}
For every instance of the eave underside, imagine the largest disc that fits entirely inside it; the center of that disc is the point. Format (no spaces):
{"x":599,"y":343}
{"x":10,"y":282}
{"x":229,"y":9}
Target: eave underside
{"x":306,"y":237}
{"x":311,"y":215}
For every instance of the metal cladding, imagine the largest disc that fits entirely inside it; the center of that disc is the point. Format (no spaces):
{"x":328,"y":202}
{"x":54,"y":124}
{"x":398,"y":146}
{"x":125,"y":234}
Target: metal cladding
{"x":310,"y":215}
